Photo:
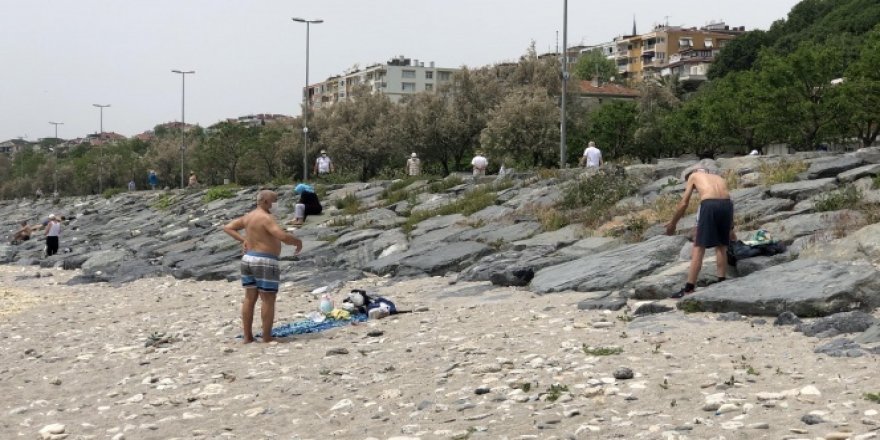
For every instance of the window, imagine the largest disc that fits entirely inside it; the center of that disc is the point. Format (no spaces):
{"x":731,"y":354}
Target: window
{"x":429,"y":87}
{"x":708,"y":43}
{"x":429,"y":75}
{"x":408,"y":74}
{"x":443,"y":76}
{"x":685,"y":42}
{"x":408,"y":87}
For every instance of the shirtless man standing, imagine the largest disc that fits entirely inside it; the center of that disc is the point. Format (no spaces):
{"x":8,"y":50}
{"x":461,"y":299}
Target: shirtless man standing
{"x":714,"y":222}
{"x":261,"y":245}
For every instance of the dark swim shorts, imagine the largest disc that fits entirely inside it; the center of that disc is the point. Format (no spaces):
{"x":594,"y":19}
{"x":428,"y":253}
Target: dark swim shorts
{"x":261,"y":271}
{"x":714,"y":223}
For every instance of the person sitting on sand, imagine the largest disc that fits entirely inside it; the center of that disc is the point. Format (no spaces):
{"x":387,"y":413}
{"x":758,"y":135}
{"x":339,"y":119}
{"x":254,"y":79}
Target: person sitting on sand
{"x":260,"y":273}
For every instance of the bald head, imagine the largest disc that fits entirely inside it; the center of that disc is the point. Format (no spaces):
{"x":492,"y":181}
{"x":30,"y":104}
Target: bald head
{"x":267,"y":196}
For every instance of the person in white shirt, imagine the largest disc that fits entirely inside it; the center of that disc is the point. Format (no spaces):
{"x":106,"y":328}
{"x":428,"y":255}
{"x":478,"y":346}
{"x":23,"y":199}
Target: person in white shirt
{"x":323,"y":164}
{"x":413,"y":165}
{"x":480,"y":164}
{"x":53,"y":231}
{"x":592,"y":156}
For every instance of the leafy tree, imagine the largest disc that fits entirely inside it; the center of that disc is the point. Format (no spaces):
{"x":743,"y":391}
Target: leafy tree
{"x":734,"y":110}
{"x":595,"y":63}
{"x":860,"y":92}
{"x":225,"y":148}
{"x":739,"y":54}
{"x":524,"y":125}
{"x":613,"y":127}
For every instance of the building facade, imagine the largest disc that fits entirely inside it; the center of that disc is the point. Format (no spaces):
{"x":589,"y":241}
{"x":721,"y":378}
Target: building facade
{"x":397,"y":78}
{"x":669,"y":50}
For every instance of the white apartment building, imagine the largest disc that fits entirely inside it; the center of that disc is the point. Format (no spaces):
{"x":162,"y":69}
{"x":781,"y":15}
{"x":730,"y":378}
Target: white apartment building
{"x":397,"y":78}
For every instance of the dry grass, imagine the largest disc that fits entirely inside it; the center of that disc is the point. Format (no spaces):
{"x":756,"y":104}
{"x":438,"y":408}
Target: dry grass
{"x":784,"y":171}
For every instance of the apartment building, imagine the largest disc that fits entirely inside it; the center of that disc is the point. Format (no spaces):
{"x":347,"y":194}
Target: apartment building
{"x":668,"y":50}
{"x":397,"y":78}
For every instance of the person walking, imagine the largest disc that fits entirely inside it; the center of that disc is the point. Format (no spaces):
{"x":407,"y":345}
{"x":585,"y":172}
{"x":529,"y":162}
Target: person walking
{"x":592,"y":157}
{"x":153,"y":179}
{"x":53,"y":233}
{"x":714,"y":221}
{"x":323,"y":164}
{"x":413,"y":165}
{"x":260,"y":274}
{"x":480,"y":163}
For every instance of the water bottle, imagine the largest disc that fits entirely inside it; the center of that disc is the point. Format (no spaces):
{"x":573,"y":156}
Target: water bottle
{"x":326,"y":305}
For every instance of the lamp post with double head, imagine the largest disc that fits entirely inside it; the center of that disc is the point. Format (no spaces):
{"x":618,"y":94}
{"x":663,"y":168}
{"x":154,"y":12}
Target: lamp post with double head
{"x":183,"y":75}
{"x":55,"y":150}
{"x":101,"y":107}
{"x":307,"y":101}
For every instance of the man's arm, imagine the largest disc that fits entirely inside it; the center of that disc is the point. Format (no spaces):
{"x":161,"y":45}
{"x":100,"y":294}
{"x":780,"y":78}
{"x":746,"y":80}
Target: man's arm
{"x":232,"y":229}
{"x":681,"y":208}
{"x":332,"y":168}
{"x":285,"y":237}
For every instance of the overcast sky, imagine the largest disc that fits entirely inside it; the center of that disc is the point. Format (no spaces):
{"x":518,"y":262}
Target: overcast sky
{"x":60,"y":57}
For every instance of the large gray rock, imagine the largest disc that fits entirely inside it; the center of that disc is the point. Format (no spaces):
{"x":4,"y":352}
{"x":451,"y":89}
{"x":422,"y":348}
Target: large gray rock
{"x":670,"y":279}
{"x":555,"y":239}
{"x":589,"y":246}
{"x":511,"y":268}
{"x":802,"y":225}
{"x":356,"y":236}
{"x":434,"y":259}
{"x":833,"y":166}
{"x":104,"y":261}
{"x":608,"y":270}
{"x":803,"y":189}
{"x":495,"y":234}
{"x":858,"y":173}
{"x":806,"y":288}
{"x":437,"y":222}
{"x":863,"y":244}
{"x":378,"y":218}
{"x":491,"y":214}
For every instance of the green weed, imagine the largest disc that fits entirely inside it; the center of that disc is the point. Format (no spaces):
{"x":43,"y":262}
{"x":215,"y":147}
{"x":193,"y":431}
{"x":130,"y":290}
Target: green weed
{"x":591,"y":199}
{"x":443,"y":185}
{"x":873,"y":397}
{"x":349,"y":204}
{"x":471,"y":202}
{"x":163,"y":202}
{"x":110,"y":192}
{"x":555,"y":392}
{"x":784,"y":171}
{"x":847,"y":197}
{"x":220,"y":192}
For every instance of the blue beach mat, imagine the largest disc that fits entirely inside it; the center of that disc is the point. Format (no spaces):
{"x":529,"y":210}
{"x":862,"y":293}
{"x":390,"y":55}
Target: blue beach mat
{"x":308,"y":326}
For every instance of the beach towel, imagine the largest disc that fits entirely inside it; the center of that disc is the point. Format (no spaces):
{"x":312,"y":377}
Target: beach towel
{"x":308,"y":326}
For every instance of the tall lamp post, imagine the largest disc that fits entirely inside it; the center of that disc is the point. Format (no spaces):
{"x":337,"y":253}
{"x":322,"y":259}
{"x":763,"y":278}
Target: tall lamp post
{"x":308,"y":101}
{"x":183,"y":75}
{"x":562,"y":142}
{"x":55,"y":170}
{"x":101,"y":139}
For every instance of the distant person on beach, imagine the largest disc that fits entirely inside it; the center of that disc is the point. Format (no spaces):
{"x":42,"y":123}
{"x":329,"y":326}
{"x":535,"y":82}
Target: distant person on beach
{"x":323,"y":164}
{"x":413,"y":165}
{"x":193,"y":181}
{"x":480,"y":163}
{"x":714,"y":221}
{"x":131,"y":186}
{"x":153,"y":179}
{"x":592,"y":156}
{"x":308,"y":204}
{"x":53,"y":233}
{"x":23,"y":234}
{"x":260,"y":274}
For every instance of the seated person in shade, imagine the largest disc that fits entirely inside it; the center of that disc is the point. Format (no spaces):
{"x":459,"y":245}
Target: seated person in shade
{"x":308,"y":204}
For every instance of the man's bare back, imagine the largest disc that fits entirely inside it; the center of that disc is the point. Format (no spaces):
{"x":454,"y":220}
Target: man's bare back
{"x":710,"y":186}
{"x":262,"y":233}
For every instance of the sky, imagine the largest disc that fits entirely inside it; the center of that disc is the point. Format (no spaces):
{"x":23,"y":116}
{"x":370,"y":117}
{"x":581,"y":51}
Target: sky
{"x":58,"y":58}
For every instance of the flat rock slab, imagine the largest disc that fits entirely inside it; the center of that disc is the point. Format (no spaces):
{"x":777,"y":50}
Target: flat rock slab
{"x":437,"y":222}
{"x":806,"y":288}
{"x":672,"y":278}
{"x":833,"y":166}
{"x":803,"y":189}
{"x":491,"y":214}
{"x":609,"y":270}
{"x":798,"y":226}
{"x":357,"y":236}
{"x":857,"y":173}
{"x":436,"y":259}
{"x":863,"y":244}
{"x":556,"y":239}
{"x":590,"y":246}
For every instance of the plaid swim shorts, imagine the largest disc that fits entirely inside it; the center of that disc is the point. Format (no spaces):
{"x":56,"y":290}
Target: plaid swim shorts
{"x":260,"y":270}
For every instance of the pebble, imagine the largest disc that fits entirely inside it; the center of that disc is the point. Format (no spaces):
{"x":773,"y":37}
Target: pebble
{"x":55,"y":431}
{"x":810,"y":390}
{"x":336,"y":351}
{"x":623,"y":373}
{"x":343,"y":404}
{"x":838,"y":436}
{"x":726,"y":408}
{"x":758,"y":426}
{"x":482,"y":390}
{"x":603,"y":324}
{"x":812,"y":419}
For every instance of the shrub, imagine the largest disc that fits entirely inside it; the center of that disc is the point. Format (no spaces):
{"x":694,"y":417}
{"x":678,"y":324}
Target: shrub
{"x":443,"y":185}
{"x":593,"y":197}
{"x":349,"y":204}
{"x":220,"y":192}
{"x":552,"y":219}
{"x":848,"y":197}
{"x":163,"y":202}
{"x":784,"y":171}
{"x":110,"y":192}
{"x":471,"y":202}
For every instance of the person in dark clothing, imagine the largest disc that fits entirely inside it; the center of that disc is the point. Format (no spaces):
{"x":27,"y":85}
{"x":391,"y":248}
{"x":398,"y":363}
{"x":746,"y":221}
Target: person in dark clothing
{"x":308,"y":204}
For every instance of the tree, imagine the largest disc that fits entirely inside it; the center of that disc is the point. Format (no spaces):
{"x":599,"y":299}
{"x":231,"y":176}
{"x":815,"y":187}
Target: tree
{"x":595,"y":63}
{"x":225,"y":147}
{"x":656,"y":100}
{"x":860,"y":92}
{"x":734,"y":110}
{"x":524,"y":125}
{"x":739,"y":54}
{"x":613,"y":127}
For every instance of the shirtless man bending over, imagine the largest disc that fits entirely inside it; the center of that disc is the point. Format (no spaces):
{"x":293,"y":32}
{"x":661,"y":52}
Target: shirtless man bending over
{"x":714,"y":223}
{"x":261,"y":245}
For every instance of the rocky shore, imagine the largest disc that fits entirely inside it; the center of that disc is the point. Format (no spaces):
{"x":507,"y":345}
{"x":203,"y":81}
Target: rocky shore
{"x":521,"y":331}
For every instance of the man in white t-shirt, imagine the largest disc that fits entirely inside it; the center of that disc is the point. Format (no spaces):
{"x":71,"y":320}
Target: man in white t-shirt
{"x":53,"y":231}
{"x":323,"y":164}
{"x":480,"y":163}
{"x":592,"y":156}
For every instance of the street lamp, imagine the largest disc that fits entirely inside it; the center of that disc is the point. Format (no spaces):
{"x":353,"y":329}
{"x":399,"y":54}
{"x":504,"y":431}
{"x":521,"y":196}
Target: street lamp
{"x":55,"y":170}
{"x":101,"y":139}
{"x":562,"y":143}
{"x":183,"y":75}
{"x":308,"y":101}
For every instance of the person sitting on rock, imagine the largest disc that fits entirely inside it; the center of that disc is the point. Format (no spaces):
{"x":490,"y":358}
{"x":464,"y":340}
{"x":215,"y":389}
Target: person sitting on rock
{"x":308,"y":204}
{"x":714,"y":220}
{"x":23,"y":234}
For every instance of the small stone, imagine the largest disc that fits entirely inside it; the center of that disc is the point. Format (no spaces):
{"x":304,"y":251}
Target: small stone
{"x":375,"y":333}
{"x":571,"y":412}
{"x":812,"y":419}
{"x":336,"y":351}
{"x":482,"y":390}
{"x":55,"y":381}
{"x":343,"y":404}
{"x":623,"y":373}
{"x":838,"y":436}
{"x":758,"y":426}
{"x":253,"y":412}
{"x":810,"y":390}
{"x":603,"y":324}
{"x":54,"y":431}
{"x":769,"y":396}
{"x":726,"y":408}
{"x":119,"y":436}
